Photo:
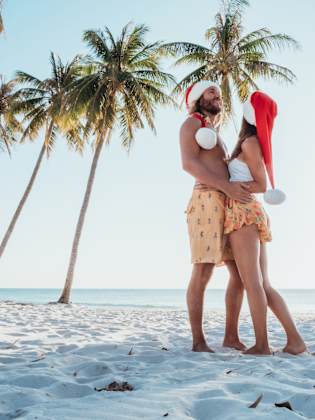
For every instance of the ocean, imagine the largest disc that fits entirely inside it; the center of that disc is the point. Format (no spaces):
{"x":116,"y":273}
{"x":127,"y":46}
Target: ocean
{"x":298,"y":300}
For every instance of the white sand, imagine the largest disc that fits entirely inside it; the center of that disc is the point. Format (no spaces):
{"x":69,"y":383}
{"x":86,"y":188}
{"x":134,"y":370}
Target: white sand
{"x":52,"y":357}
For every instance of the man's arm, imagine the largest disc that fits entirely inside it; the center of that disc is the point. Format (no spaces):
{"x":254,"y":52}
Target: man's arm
{"x":192,"y":164}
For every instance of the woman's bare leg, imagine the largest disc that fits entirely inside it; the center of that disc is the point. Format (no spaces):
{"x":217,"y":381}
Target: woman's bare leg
{"x":246,"y":250}
{"x":233,"y":303}
{"x":276,"y":303}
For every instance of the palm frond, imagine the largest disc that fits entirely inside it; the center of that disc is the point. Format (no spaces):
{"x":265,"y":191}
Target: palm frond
{"x":97,"y":43}
{"x":25,"y":78}
{"x":230,"y":7}
{"x":158,"y":78}
{"x":146,"y":55}
{"x":36,"y":122}
{"x":182,"y":48}
{"x":193,"y":77}
{"x":232,"y":59}
{"x":243,"y":83}
{"x":43,"y":102}
{"x":50,"y":139}
{"x":270,"y":71}
{"x":268,"y":42}
{"x":135,"y":40}
{"x":10,"y":126}
{"x":120,"y":83}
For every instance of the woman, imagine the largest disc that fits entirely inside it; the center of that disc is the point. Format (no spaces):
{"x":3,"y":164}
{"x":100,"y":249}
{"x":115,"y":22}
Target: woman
{"x":247,"y":225}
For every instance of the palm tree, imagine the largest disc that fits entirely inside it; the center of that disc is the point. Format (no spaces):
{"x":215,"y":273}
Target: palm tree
{"x":122,"y":86}
{"x":9,"y":125}
{"x":232,"y":59}
{"x":41,"y":103}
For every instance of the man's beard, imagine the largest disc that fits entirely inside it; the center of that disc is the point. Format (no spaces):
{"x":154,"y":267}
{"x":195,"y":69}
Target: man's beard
{"x":210,"y":107}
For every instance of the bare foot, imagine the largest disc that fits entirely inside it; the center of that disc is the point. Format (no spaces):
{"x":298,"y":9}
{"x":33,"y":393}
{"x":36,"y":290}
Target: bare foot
{"x":202,"y":347}
{"x":296,"y":348}
{"x":234,"y":344}
{"x":258,"y":351}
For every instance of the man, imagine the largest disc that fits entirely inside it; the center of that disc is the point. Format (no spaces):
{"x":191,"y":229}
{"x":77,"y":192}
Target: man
{"x":205,"y":213}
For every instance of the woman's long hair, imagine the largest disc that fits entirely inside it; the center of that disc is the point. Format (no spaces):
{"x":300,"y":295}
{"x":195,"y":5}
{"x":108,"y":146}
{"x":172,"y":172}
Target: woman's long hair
{"x":247,"y":130}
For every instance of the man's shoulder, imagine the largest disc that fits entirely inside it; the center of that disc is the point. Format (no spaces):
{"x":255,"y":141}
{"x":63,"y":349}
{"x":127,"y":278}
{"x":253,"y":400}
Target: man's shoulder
{"x":191,"y":122}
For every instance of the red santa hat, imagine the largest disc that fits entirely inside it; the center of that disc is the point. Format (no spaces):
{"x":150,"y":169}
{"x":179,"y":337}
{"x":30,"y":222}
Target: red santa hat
{"x":260,"y":110}
{"x":196,"y":90}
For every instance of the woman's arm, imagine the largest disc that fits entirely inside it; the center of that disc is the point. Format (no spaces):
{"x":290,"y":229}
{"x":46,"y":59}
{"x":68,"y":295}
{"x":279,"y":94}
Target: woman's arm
{"x":251,"y":153}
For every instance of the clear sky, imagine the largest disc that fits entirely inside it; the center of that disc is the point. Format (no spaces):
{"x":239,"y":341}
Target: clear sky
{"x":135,"y":233}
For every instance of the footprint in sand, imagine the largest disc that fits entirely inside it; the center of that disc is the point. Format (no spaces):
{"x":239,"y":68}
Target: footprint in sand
{"x":218,"y":408}
{"x":11,"y":359}
{"x":66,"y":348}
{"x":33,"y":381}
{"x":90,"y":370}
{"x":70,"y":390}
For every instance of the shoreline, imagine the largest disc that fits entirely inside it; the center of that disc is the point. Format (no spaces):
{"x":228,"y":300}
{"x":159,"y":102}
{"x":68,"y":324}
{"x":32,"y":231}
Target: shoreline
{"x":131,"y":307}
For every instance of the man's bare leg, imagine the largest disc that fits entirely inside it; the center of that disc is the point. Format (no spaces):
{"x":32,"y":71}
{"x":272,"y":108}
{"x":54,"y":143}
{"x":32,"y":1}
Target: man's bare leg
{"x":195,"y":296}
{"x":233,"y":303}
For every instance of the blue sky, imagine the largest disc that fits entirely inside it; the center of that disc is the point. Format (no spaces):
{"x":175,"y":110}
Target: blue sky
{"x":135,"y":232}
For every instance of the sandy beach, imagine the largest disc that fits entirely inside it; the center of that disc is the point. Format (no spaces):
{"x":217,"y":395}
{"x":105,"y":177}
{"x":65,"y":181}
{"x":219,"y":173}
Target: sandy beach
{"x":53,"y":358}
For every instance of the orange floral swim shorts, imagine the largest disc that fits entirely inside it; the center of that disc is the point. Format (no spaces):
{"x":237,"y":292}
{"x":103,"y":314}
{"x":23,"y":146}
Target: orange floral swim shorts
{"x":205,"y":219}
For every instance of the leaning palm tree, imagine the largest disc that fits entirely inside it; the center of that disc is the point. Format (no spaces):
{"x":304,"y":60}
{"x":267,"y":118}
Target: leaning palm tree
{"x":40,"y":103}
{"x":122,"y":86}
{"x":9,"y":124}
{"x":230,"y":58}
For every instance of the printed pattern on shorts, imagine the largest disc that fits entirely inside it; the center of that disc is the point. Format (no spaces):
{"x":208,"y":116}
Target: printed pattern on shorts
{"x":205,"y":219}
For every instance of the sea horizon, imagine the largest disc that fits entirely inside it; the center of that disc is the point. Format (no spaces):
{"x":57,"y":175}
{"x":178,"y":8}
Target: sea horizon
{"x":134,"y":288}
{"x":298,"y":300}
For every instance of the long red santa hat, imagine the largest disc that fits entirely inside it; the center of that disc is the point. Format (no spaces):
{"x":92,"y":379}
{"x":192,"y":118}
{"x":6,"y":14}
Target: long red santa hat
{"x":260,"y":110}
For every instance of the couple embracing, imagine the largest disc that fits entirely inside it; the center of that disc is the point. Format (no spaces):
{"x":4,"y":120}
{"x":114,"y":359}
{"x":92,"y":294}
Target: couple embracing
{"x":227,"y":224}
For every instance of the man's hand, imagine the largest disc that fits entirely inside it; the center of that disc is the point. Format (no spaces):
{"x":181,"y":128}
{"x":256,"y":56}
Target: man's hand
{"x":203,"y":187}
{"x":238,"y":191}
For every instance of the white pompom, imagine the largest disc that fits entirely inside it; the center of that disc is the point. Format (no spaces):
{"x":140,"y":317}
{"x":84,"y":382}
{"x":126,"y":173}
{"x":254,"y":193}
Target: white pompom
{"x":274,"y":197}
{"x":206,"y":138}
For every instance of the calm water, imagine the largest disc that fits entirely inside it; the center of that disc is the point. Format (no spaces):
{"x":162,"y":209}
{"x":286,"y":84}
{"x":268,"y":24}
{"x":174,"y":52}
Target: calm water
{"x":299,"y":300}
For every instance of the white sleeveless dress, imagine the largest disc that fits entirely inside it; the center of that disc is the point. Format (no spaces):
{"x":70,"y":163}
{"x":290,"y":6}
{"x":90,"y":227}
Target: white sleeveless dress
{"x":239,"y":171}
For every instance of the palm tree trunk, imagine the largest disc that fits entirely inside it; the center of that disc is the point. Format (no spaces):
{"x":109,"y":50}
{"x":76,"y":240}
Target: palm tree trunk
{"x":234,"y":124}
{"x":65,"y":296}
{"x":26,"y":193}
{"x":1,"y":22}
